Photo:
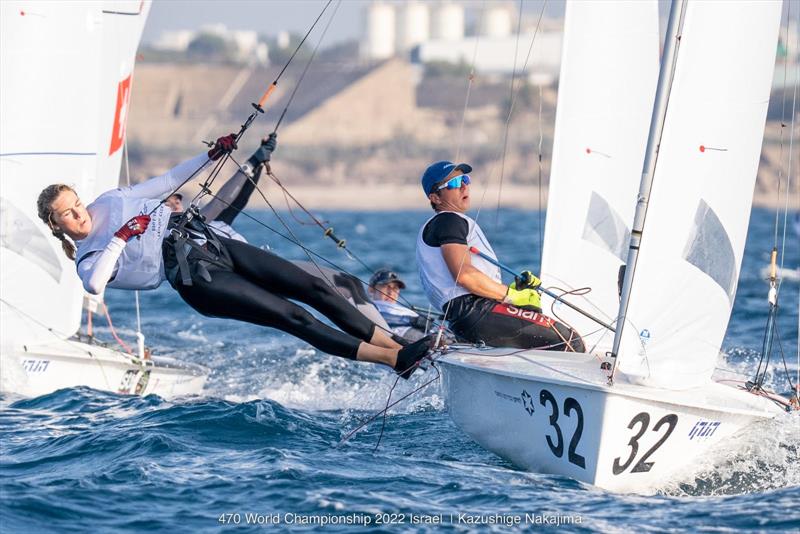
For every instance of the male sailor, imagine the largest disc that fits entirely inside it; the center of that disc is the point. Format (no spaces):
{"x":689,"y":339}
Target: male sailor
{"x":384,"y":290}
{"x":469,"y":289}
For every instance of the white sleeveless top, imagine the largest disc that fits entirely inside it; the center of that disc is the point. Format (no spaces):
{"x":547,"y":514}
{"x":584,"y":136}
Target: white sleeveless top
{"x":438,"y":283}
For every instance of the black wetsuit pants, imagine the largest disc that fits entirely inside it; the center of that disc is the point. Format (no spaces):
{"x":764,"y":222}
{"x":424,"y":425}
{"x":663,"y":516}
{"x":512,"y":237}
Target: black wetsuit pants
{"x":479,"y":319}
{"x":256,"y":290}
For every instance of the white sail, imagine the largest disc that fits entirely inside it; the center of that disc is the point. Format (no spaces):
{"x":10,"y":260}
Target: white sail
{"x":56,"y":63}
{"x":694,"y":234}
{"x":123,"y":22}
{"x":609,"y":69}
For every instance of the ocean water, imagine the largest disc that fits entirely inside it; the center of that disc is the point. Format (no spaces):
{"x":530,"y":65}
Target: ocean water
{"x":262,"y":448}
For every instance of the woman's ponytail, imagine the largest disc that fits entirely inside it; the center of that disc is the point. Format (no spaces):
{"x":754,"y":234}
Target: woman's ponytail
{"x":43,"y":206}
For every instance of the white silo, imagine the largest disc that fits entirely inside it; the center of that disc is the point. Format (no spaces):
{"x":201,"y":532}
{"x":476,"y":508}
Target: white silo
{"x":447,"y":21}
{"x":497,"y":20}
{"x":413,"y":25}
{"x":380,"y":31}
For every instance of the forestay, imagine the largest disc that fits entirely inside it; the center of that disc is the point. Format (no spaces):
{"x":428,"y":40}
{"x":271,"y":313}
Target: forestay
{"x":58,"y":63}
{"x":607,"y":84}
{"x":694,"y":234}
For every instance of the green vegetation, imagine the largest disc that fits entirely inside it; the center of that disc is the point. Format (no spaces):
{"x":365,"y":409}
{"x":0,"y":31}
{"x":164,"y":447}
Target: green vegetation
{"x":210,"y":47}
{"x":446,"y":68}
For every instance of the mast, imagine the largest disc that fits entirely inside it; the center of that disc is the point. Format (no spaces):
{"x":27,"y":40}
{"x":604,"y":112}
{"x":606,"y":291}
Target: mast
{"x":665,"y":77}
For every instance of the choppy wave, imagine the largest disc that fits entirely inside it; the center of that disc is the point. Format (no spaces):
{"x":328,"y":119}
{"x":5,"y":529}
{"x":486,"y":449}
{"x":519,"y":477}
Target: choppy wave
{"x":278,"y":431}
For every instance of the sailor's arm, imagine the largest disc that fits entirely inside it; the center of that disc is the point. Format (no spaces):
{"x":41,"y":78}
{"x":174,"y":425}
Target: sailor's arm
{"x":234,"y":194}
{"x":168,"y":182}
{"x":457,"y":258}
{"x":98,"y":269}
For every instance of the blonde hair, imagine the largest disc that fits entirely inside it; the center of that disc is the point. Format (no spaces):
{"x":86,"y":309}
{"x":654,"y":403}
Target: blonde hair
{"x":44,"y":207}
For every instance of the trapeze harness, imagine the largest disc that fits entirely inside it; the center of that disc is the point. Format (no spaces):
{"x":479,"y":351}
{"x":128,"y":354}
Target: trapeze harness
{"x":474,"y":318}
{"x":191,"y":239}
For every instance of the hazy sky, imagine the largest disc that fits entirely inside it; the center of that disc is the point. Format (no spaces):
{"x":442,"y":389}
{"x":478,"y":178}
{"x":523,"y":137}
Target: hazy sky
{"x":264,"y":16}
{"x":272,"y":16}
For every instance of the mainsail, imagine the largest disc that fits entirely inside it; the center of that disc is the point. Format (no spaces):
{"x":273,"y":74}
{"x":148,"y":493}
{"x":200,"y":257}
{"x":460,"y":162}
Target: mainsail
{"x":609,"y":69}
{"x":66,"y":69}
{"x":688,"y":265}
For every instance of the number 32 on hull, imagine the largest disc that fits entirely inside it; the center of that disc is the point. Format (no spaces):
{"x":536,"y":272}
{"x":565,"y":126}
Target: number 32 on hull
{"x":571,"y":408}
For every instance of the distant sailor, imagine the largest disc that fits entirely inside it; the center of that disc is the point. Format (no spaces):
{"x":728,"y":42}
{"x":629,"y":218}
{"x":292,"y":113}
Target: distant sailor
{"x":468,"y":288}
{"x":384,"y":289}
{"x":127,"y":239}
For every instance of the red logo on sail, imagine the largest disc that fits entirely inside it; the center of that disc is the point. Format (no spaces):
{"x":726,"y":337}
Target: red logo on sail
{"x":120,"y":115}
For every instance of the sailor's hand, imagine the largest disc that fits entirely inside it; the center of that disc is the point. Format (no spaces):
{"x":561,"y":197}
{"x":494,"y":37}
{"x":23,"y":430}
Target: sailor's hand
{"x":264,"y":152}
{"x":224,"y":145}
{"x":523,"y":298}
{"x":526,"y":279}
{"x":135,"y":226}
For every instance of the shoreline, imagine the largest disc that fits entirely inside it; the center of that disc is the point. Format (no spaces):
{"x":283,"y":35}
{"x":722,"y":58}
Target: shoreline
{"x":390,"y":197}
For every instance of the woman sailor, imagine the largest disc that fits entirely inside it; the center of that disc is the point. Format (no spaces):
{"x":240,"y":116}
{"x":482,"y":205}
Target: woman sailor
{"x":217,"y":276}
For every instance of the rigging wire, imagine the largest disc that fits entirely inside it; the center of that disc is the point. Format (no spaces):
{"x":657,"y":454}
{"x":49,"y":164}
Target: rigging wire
{"x":539,"y":181}
{"x":510,"y":104}
{"x":470,"y":82}
{"x":139,"y":334}
{"x":306,"y":249}
{"x":259,"y":109}
{"x":391,"y":405}
{"x":775,"y":281}
{"x":308,"y":64}
{"x":492,"y":172}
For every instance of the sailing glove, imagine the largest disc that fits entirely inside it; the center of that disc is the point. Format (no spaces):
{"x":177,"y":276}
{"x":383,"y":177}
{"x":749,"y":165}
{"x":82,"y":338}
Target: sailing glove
{"x":526,"y":279}
{"x":224,"y":145}
{"x":523,"y":298}
{"x":136,"y":226}
{"x":264,"y":152}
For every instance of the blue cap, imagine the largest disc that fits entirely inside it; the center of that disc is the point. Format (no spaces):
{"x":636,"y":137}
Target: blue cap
{"x":438,"y":171}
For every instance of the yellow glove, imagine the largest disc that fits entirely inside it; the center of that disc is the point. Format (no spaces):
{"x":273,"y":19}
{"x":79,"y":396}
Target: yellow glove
{"x":526,"y":279}
{"x":523,"y":298}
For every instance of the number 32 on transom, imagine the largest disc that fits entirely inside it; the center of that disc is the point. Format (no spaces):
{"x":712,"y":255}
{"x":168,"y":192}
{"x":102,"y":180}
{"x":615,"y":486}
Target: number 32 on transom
{"x":643,"y":421}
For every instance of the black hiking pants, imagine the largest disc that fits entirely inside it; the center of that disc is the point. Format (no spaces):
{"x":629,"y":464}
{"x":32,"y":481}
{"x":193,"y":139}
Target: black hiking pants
{"x":478,"y":319}
{"x":257,"y":290}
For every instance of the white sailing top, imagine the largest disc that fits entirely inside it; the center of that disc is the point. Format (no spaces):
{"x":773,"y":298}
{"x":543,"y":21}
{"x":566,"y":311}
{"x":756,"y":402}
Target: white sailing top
{"x":437,"y":281}
{"x":104,"y":260}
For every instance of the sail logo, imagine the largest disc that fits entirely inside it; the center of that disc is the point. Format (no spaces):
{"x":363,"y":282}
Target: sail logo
{"x":703,"y":429}
{"x":120,"y":115}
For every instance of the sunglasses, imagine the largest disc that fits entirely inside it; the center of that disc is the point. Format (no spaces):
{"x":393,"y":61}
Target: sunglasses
{"x":455,"y":182}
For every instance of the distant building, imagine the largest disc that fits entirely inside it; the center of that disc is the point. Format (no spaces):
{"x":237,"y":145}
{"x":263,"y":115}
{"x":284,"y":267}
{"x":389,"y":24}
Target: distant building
{"x":496,"y":55}
{"x":435,"y":32}
{"x":175,"y":41}
{"x":246,"y":46}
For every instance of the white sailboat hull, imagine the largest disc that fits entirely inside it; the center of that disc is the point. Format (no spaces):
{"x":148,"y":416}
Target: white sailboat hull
{"x":554,"y":413}
{"x":42,"y":369}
